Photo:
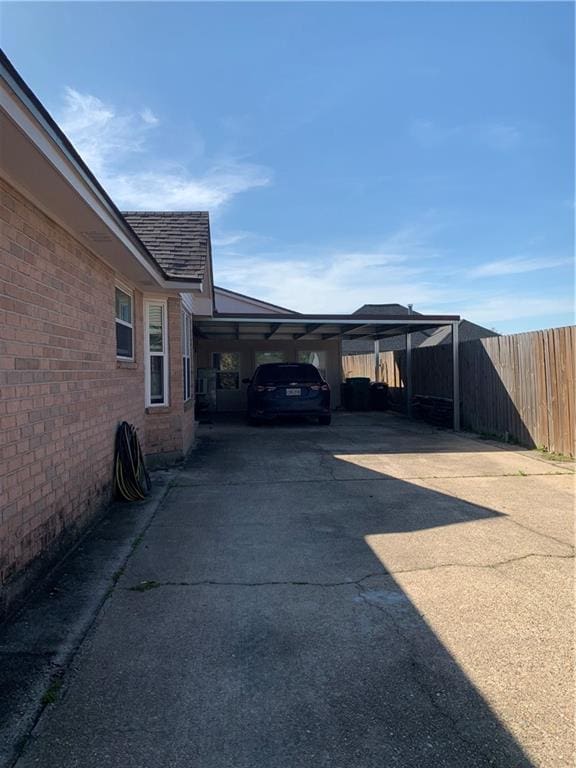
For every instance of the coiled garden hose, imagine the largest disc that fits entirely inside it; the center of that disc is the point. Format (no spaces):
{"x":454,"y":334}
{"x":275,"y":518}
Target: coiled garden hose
{"x":131,"y":480}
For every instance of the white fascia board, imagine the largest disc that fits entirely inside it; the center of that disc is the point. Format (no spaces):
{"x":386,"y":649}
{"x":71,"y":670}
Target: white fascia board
{"x":180,"y":286}
{"x":303,"y":320}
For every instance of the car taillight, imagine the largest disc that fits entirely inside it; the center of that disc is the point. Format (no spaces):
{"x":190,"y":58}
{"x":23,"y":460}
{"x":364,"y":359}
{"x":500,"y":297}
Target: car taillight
{"x":265,"y":389}
{"x":323,"y":387}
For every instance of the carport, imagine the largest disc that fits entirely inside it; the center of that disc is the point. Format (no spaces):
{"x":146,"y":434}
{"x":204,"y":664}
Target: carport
{"x":248,"y":338}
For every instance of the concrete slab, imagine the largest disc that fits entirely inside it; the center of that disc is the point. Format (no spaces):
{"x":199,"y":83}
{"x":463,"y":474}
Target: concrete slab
{"x":287,"y":606}
{"x":542,"y":504}
{"x":429,"y":463}
{"x":261,"y":676}
{"x":508,"y":629}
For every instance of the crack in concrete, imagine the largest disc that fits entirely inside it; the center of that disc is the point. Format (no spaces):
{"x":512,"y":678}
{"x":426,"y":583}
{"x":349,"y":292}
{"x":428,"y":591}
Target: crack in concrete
{"x":419,"y":671}
{"x":333,"y":478}
{"x":510,"y":519}
{"x":145,"y":586}
{"x":287,"y":583}
{"x":497,"y":564}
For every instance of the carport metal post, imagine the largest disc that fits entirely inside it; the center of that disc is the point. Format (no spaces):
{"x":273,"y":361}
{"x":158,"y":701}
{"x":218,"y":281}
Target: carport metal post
{"x":409,"y":375}
{"x":455,"y":376}
{"x":376,"y":360}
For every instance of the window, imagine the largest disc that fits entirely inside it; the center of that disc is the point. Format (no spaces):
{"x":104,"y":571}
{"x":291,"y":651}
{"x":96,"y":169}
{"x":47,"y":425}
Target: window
{"x":269,"y":357}
{"x":124,"y":327}
{"x":186,"y":336}
{"x":227,"y":365}
{"x":156,"y":354}
{"x":314,"y":358}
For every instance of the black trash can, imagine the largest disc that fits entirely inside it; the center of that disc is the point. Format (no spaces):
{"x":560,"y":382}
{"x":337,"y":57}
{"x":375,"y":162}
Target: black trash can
{"x":379,"y":396}
{"x":346,"y":396}
{"x":358,"y":394}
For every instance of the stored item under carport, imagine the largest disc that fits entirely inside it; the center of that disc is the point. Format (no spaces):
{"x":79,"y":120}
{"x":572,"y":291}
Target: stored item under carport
{"x":378,"y":396}
{"x":356,"y":394}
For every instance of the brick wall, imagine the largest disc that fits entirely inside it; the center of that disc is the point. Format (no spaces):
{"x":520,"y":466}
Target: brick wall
{"x":63,"y":392}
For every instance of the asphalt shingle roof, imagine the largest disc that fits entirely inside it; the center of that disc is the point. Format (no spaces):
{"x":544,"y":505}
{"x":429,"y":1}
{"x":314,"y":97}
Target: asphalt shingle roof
{"x":383,"y":309}
{"x":178,"y":240}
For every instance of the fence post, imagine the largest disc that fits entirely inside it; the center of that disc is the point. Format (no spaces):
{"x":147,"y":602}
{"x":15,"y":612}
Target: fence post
{"x":409,"y":375}
{"x":455,"y":376}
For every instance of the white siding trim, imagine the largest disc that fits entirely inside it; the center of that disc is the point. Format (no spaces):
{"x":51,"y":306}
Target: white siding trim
{"x":165,"y":352}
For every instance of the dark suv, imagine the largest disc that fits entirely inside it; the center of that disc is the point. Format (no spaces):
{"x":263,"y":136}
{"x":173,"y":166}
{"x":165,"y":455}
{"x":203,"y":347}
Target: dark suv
{"x":287,"y":389}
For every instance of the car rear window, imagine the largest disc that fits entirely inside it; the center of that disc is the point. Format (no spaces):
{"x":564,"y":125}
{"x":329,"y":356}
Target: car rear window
{"x":286,"y":373}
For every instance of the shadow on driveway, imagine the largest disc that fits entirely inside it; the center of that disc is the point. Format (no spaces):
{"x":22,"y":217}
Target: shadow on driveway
{"x":290,"y":606}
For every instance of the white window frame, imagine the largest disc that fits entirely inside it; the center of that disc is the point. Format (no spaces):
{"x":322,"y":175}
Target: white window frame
{"x":130,"y":293}
{"x":148,"y":354}
{"x":238,"y":370}
{"x":186,"y":337}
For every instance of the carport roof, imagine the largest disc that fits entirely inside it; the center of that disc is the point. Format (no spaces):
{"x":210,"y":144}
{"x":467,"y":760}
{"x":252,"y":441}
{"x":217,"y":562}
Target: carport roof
{"x":262,"y":327}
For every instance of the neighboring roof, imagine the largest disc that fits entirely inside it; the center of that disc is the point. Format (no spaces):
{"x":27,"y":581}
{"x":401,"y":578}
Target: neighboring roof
{"x":467,"y":332}
{"x":383,"y":309}
{"x":178,"y":240}
{"x":431,"y":338}
{"x":252,"y":299}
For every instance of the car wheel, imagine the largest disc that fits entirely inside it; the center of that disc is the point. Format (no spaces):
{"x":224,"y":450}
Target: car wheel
{"x":254,"y":422}
{"x":324,"y":420}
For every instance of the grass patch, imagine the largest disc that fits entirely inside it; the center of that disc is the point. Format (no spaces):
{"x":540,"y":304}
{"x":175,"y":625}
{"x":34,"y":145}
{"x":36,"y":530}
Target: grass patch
{"x":552,"y":456}
{"x":51,"y":694}
{"x":145,"y":586}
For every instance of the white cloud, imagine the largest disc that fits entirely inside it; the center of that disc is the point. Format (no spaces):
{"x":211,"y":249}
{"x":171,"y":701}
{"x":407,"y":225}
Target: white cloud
{"x":401,"y":270}
{"x":98,"y":133}
{"x":495,"y":135}
{"x":149,"y":117}
{"x":502,"y":308}
{"x":515,"y":266}
{"x":309,"y":279}
{"x":172,"y":191}
{"x":108,"y":142}
{"x":226,"y":239}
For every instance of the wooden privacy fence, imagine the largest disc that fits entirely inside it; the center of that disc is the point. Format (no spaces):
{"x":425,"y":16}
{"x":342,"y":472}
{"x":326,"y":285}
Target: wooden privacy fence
{"x":521,"y":387}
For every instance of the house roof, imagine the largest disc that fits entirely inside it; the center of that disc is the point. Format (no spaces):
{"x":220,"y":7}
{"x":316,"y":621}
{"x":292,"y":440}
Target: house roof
{"x":383,"y":309}
{"x":253,"y":299}
{"x":178,"y":240}
{"x":468,"y":332}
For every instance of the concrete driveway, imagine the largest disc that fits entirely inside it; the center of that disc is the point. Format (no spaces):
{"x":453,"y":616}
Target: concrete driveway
{"x":371,"y":594}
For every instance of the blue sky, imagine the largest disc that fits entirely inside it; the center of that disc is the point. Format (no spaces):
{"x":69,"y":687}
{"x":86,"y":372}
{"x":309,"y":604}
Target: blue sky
{"x":347,"y":152}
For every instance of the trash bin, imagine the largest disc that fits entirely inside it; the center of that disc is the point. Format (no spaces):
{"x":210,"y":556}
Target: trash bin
{"x":379,"y":396}
{"x":357,"y":394}
{"x":346,"y":396}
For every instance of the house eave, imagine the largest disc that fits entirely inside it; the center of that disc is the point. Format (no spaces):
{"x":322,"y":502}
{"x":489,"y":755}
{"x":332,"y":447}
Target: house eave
{"x":40,"y":161}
